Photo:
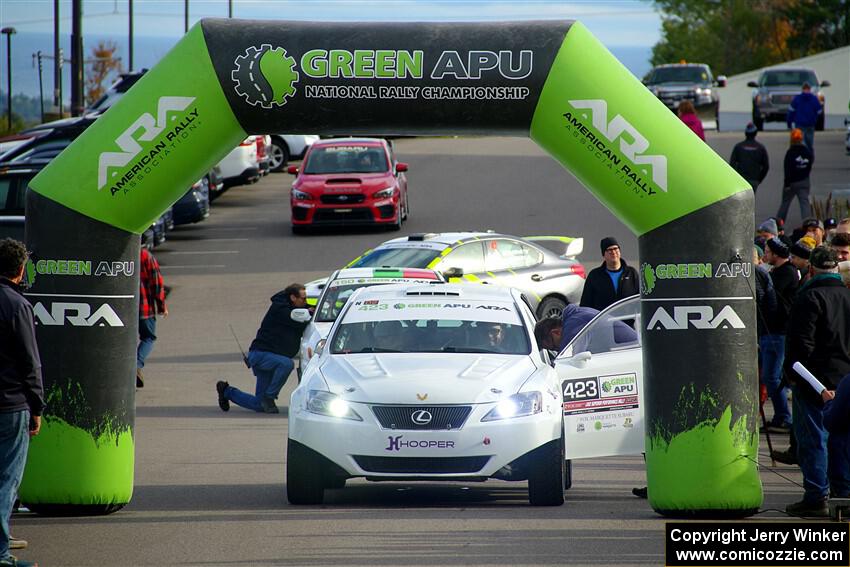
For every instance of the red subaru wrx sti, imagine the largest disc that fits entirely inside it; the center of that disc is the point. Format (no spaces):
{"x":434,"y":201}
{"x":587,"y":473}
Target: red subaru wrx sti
{"x":349,"y":181}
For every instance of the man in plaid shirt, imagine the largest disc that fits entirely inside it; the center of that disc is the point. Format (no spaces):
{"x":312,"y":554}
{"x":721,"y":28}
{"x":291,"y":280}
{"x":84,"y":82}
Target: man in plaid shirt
{"x":151,"y":304}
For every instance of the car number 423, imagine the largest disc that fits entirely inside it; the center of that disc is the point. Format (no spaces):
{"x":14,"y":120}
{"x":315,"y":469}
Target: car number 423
{"x":580,"y":389}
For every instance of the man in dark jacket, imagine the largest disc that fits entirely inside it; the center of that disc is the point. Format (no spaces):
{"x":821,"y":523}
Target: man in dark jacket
{"x":836,"y":420}
{"x":554,"y":333}
{"x":783,"y":276}
{"x":749,"y":158}
{"x":803,"y":113}
{"x":798,"y":166}
{"x":818,"y":337}
{"x":270,"y":354}
{"x":611,"y":281}
{"x":21,"y":390}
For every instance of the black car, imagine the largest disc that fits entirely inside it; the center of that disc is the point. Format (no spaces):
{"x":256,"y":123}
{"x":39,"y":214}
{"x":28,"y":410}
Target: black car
{"x":194,"y":206}
{"x":13,"y":186}
{"x":676,"y":82}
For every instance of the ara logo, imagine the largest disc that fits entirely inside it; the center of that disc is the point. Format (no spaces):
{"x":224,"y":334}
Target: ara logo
{"x":697,"y":316}
{"x":77,"y":314}
{"x":264,"y":76}
{"x":150,"y":128}
{"x":633,"y":145}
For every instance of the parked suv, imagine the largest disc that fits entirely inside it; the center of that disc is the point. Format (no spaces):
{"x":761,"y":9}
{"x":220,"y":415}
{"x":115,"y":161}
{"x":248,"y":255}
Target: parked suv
{"x":775,"y":90}
{"x":676,"y":82}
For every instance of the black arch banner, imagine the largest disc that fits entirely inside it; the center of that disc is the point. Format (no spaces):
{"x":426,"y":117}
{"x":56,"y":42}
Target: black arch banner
{"x":552,"y":81}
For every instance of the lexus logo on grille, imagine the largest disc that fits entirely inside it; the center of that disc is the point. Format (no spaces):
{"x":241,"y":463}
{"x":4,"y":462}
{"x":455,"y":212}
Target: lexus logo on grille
{"x":421,"y":417}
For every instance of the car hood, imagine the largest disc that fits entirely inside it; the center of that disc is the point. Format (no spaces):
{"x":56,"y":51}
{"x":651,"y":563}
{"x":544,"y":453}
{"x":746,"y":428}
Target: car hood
{"x":345,"y":182}
{"x":437,"y":378}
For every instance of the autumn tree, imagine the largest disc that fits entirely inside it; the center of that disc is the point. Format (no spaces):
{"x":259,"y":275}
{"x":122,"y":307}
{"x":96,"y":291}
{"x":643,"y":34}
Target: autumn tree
{"x":102,"y":64}
{"x":734,"y":36}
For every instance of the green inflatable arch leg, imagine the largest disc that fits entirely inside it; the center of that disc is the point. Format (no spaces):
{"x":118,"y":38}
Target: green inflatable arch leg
{"x":550,"y":80}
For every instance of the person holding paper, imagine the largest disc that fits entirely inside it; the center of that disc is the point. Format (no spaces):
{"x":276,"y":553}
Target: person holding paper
{"x":818,"y":338}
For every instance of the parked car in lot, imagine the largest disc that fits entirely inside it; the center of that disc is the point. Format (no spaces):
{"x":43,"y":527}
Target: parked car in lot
{"x":241,"y":166}
{"x":285,"y":147}
{"x":776,"y":88}
{"x":349,"y":181}
{"x":335,"y":291}
{"x":14,"y":179}
{"x":676,"y":82}
{"x":433,"y":383}
{"x":194,"y":205}
{"x":263,"y":160}
{"x":549,"y":281}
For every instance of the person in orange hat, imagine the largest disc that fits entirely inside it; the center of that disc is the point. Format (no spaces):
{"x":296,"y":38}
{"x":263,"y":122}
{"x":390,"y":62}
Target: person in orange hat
{"x":798,"y":167}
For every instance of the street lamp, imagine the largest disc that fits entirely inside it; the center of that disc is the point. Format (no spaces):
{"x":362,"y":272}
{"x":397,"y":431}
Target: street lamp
{"x":9,"y":31}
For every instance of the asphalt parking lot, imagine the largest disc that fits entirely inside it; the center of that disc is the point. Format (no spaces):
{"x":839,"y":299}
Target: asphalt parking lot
{"x":209,"y":486}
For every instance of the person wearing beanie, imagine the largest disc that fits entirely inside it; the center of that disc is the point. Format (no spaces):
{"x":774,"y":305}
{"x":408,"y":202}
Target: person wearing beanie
{"x":818,"y":335}
{"x":767,"y":229}
{"x":611,"y":281}
{"x":749,"y":158}
{"x":803,"y":114}
{"x":800,"y":252}
{"x":814,"y":228}
{"x":798,"y":166}
{"x":772,"y":344}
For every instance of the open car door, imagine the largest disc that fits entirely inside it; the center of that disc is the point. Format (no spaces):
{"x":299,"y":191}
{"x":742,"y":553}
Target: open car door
{"x":601,"y":375}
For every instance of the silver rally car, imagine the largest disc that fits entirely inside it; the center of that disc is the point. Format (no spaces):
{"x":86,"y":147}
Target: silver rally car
{"x":548,"y":280}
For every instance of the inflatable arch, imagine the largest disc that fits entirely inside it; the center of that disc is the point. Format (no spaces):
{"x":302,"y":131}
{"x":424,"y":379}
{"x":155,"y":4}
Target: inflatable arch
{"x":552,"y":81}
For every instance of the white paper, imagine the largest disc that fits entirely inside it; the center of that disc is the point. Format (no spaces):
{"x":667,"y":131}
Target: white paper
{"x":810,"y":378}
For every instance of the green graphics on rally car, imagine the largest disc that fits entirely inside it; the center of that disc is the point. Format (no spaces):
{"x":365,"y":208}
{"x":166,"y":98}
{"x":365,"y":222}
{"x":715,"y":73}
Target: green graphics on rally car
{"x":550,"y":80}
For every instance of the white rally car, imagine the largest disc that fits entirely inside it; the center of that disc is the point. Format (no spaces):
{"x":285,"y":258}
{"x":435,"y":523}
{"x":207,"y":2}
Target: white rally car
{"x":425,"y":382}
{"x":336,"y":290}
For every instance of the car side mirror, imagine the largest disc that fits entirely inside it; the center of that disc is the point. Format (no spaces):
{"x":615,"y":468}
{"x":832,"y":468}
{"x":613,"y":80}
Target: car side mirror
{"x":320,"y":346}
{"x":453,"y":273}
{"x":753,"y":84}
{"x":300,"y":315}
{"x":721,"y":81}
{"x":581,"y":359}
{"x":825,"y":83}
{"x":293,"y":169}
{"x":400,"y":167}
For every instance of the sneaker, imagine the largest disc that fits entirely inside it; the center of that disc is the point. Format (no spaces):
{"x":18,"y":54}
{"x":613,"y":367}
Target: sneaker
{"x":269,"y":405}
{"x":140,"y":378}
{"x":804,"y":509}
{"x":223,"y":402}
{"x":784,"y":457}
{"x":15,"y":543}
{"x":640,"y":492}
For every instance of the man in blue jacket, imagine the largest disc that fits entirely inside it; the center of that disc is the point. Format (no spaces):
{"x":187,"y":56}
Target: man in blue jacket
{"x":803,"y":114}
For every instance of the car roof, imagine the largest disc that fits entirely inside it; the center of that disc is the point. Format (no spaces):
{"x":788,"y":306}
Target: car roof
{"x":447,"y":238}
{"x":348,"y":142}
{"x":783,"y":69}
{"x":426,"y":292}
{"x":681,"y":65}
{"x":388,"y":273}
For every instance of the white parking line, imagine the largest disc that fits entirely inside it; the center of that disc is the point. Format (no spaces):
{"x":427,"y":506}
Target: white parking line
{"x":207,"y":252}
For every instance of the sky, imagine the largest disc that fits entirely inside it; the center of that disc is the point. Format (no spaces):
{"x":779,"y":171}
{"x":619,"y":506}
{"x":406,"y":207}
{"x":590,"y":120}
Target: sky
{"x":629,"y":28}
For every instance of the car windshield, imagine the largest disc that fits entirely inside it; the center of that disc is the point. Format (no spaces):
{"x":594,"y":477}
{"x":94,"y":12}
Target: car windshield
{"x":663,"y":75}
{"x":346,"y":159}
{"x":407,"y":257}
{"x":431,"y":325}
{"x":789,"y":78}
{"x":340,"y":290}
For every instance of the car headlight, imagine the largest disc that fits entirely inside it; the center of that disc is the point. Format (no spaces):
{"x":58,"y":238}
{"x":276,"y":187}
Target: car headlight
{"x":518,"y":405}
{"x":703,"y":92}
{"x":384,"y":193}
{"x":301,"y":195}
{"x":331,"y":405}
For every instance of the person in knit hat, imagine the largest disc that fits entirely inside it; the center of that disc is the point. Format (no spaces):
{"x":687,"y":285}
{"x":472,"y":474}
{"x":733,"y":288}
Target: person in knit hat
{"x":800,"y":253}
{"x":611,"y":281}
{"x":749,"y":158}
{"x":798,"y":166}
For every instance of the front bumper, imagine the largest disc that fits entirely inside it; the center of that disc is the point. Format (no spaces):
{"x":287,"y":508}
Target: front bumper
{"x":476,"y":450}
{"x":320,"y":214}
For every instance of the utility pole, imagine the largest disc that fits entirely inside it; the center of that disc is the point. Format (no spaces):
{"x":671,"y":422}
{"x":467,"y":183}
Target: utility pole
{"x":57,"y":61}
{"x":77,"y":100}
{"x":9,"y":32}
{"x":185,"y":16}
{"x":130,"y":50}
{"x":229,"y":8}
{"x":37,"y":55}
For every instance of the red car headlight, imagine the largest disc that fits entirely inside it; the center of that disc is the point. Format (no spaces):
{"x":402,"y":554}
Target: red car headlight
{"x":384,"y":193}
